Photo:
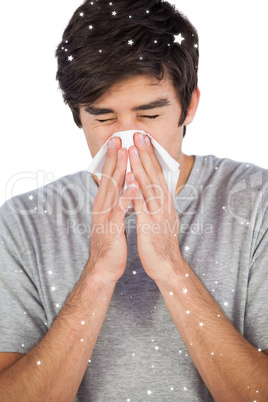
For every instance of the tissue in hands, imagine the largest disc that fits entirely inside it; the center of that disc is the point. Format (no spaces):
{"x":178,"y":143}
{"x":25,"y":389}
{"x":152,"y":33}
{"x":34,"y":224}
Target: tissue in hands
{"x":169,"y":165}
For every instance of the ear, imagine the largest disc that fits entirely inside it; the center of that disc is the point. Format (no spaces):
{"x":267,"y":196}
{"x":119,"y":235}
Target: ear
{"x":193,"y":107}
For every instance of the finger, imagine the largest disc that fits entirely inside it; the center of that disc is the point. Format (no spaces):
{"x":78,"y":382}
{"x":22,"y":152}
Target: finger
{"x":138,"y":201}
{"x":123,"y":203}
{"x":155,"y":172}
{"x":150,"y":194}
{"x":149,"y":161}
{"x":114,"y":190}
{"x":107,"y":172}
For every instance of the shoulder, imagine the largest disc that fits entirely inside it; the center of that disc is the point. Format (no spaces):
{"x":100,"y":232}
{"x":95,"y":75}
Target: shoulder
{"x":239,"y":188}
{"x":63,"y":193}
{"x":231,"y":174}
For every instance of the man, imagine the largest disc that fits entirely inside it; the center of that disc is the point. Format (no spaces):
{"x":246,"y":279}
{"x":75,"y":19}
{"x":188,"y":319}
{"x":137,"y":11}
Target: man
{"x":167,"y":303}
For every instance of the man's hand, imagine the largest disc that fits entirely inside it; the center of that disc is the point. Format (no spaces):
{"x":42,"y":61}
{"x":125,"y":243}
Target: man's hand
{"x":157,"y":219}
{"x":108,"y":247}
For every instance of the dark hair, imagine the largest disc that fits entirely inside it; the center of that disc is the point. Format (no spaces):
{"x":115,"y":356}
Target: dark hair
{"x":108,"y":42}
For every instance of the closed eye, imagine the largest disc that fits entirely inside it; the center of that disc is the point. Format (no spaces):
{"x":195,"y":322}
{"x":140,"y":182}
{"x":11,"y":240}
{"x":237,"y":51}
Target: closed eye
{"x":151,"y":117}
{"x":103,"y":121}
{"x":146,"y":117}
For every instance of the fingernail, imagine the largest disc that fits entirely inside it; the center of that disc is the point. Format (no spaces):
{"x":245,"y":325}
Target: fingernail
{"x":141,"y":138}
{"x":133,"y":185}
{"x":147,"y":140}
{"x":112,"y":143}
{"x":131,"y":178}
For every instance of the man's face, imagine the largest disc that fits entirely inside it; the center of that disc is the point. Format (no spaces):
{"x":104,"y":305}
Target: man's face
{"x":140,"y":103}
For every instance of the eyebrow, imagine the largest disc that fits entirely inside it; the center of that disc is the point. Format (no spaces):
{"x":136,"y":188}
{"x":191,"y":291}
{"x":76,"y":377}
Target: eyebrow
{"x":96,"y":111}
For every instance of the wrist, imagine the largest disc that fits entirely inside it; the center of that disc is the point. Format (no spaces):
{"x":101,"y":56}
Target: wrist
{"x":173,"y":271}
{"x":95,"y":273}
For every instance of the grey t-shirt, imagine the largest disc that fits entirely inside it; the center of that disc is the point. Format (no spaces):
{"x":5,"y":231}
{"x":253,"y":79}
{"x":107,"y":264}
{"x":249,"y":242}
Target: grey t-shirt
{"x":139,"y":355}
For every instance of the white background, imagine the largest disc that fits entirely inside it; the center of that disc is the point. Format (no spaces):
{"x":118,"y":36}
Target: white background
{"x":37,"y":130}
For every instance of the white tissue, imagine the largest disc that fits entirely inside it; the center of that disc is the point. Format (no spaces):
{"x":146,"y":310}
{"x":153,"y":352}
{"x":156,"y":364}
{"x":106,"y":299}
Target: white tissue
{"x":169,"y":165}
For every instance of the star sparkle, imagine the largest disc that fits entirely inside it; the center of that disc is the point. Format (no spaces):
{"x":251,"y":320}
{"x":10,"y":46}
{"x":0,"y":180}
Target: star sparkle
{"x":149,"y":392}
{"x":130,"y":42}
{"x":185,"y":290}
{"x":81,"y":14}
{"x":187,"y":248}
{"x":201,"y":324}
{"x":114,"y":13}
{"x":31,"y":197}
{"x":178,"y":38}
{"x":90,"y":27}
{"x":70,"y":58}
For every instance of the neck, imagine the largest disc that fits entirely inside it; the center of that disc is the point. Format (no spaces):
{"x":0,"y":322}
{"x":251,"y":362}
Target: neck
{"x":186,"y":164}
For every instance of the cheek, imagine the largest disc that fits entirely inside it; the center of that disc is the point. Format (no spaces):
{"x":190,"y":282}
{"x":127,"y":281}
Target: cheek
{"x":96,"y":138}
{"x":171,"y":140}
{"x":168,"y":133}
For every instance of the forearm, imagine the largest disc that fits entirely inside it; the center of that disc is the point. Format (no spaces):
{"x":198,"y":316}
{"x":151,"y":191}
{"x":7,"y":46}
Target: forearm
{"x":53,"y":370}
{"x":231,"y":367}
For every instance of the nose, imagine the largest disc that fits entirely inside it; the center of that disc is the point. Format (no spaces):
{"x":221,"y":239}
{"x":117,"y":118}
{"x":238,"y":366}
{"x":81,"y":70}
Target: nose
{"x":129,"y":124}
